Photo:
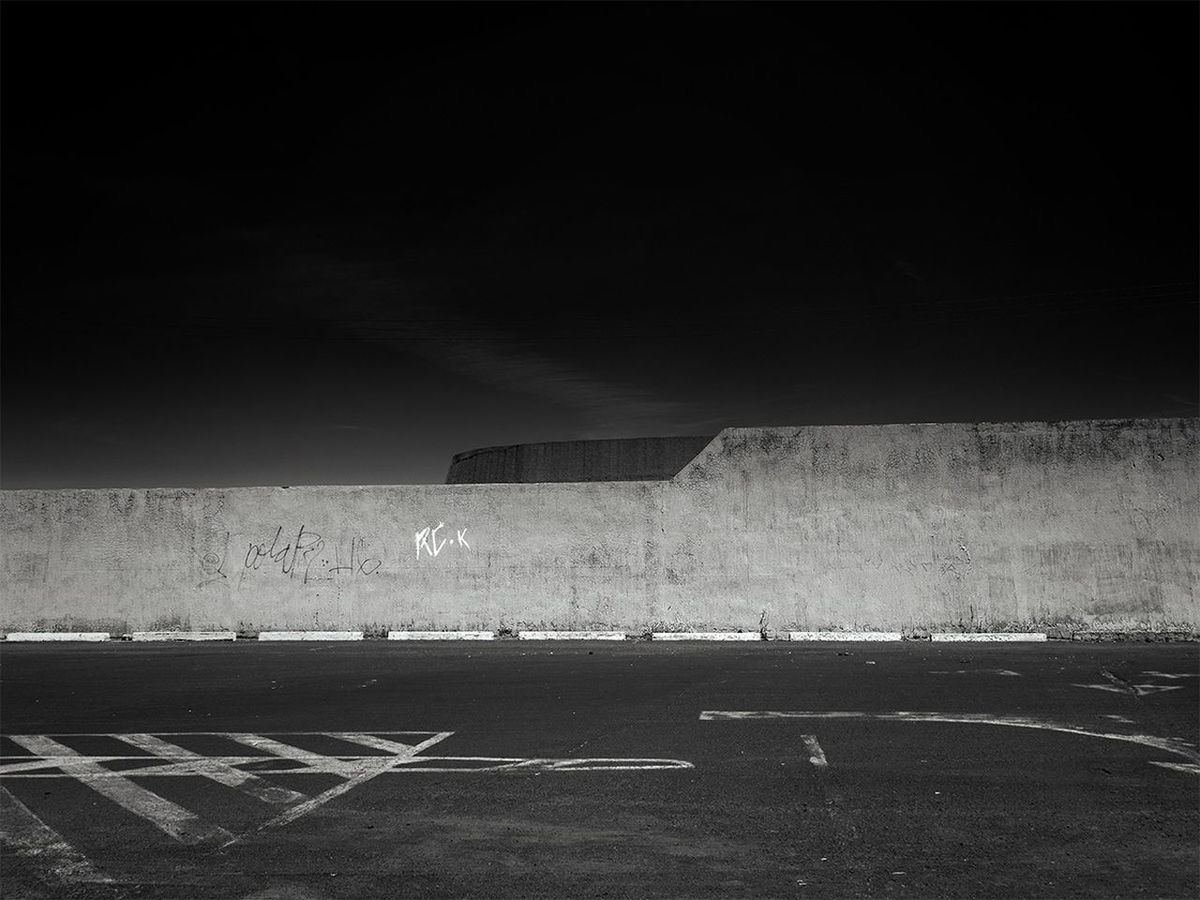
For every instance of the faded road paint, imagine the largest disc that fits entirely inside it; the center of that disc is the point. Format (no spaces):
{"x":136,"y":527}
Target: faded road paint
{"x":247,"y":783}
{"x":1177,"y":746}
{"x":168,"y":817}
{"x":170,"y":759}
{"x":843,"y":826}
{"x":24,"y":834}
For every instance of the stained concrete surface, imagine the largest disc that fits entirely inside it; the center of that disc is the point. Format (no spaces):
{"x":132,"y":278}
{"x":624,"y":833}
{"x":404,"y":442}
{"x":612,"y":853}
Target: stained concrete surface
{"x":910,"y":809}
{"x":880,"y":527}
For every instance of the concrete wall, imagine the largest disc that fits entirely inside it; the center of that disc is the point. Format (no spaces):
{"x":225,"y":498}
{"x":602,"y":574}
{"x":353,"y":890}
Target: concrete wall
{"x":950,"y":524}
{"x":856,"y":526}
{"x":329,"y":557}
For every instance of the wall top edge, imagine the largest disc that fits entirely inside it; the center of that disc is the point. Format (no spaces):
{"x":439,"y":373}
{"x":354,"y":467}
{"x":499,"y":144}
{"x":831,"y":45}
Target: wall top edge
{"x":1014,"y":423}
{"x":1128,"y":420}
{"x":431,"y":486}
{"x":1144,"y":422}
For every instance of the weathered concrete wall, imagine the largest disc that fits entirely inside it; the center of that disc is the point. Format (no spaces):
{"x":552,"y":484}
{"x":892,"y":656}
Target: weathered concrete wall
{"x":854,"y":526}
{"x":328,"y":557}
{"x":947,"y":524}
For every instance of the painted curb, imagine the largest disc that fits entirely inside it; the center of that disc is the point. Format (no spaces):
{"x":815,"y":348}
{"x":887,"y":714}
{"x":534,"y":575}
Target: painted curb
{"x":705,"y":636}
{"x":845,"y":636}
{"x":184,"y":635}
{"x":1134,"y":636}
{"x":441,"y":636}
{"x":310,"y":635}
{"x":988,"y":636}
{"x":571,"y":635}
{"x":30,"y":636}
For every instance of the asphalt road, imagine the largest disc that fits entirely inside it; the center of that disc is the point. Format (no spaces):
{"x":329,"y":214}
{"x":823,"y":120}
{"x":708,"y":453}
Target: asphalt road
{"x":600,"y":769}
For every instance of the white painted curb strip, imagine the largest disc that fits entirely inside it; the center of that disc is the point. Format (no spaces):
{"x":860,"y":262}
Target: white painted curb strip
{"x":310,"y":635}
{"x":185,"y":635}
{"x":441,"y":635}
{"x":571,"y":635}
{"x":988,"y":636}
{"x":705,"y":636}
{"x":58,"y":636}
{"x":845,"y":636}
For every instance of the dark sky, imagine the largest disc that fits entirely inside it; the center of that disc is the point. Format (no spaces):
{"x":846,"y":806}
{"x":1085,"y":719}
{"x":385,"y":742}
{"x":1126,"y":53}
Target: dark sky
{"x":322,"y":244}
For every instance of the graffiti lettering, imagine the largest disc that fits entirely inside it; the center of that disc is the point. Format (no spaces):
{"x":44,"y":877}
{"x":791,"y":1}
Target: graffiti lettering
{"x":291,"y":556}
{"x":357,"y":564}
{"x":427,"y":539}
{"x":421,"y":538}
{"x":305,"y":557}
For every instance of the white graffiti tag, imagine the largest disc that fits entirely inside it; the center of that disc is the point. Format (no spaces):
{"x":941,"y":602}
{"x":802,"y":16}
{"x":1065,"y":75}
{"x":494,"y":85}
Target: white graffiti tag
{"x":427,"y":538}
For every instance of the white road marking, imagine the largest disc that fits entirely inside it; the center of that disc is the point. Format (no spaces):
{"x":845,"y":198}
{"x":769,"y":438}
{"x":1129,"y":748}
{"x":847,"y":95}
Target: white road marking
{"x":326,"y":761}
{"x":975,"y":672}
{"x":1170,"y":745}
{"x":256,"y":787}
{"x":1172,"y":675}
{"x":394,"y":747}
{"x":602,"y":764}
{"x":1138,"y":690}
{"x":199,"y":765}
{"x":274,"y":747}
{"x":326,"y":766}
{"x":371,"y":767}
{"x":362,"y":771}
{"x":190,"y":769}
{"x":183,"y":826}
{"x":845,"y":636}
{"x":506,"y":763}
{"x":843,"y":826}
{"x":24,"y":834}
{"x":441,"y":635}
{"x":1194,"y":768}
{"x":172,"y":760}
{"x":16,"y":636}
{"x":706,"y":636}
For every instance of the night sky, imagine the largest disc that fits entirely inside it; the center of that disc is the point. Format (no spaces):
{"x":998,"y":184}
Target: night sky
{"x":336,"y":244}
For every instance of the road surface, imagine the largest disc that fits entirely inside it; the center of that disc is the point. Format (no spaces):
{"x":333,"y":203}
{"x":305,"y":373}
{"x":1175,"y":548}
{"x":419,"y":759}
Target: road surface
{"x":513,"y":769}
